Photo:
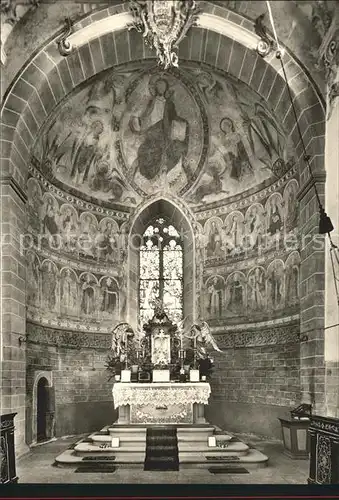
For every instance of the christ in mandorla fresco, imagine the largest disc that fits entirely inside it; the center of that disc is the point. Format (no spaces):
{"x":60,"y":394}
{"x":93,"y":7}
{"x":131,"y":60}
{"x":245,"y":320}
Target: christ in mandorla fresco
{"x":164,"y":134}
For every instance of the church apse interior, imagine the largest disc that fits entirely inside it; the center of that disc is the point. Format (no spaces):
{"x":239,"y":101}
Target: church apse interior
{"x":105,"y":152}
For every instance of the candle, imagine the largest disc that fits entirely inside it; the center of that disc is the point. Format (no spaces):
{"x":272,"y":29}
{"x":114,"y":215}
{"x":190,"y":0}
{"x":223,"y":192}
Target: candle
{"x":181,"y":341}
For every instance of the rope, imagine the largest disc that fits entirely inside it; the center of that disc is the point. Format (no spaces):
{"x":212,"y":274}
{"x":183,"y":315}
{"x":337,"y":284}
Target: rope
{"x":323,"y":216}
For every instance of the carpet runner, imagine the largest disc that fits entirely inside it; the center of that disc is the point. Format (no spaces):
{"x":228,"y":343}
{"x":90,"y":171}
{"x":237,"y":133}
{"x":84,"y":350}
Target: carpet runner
{"x":161,"y":449}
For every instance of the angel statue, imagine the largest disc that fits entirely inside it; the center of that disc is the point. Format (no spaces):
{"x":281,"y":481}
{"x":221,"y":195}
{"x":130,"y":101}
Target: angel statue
{"x":201,"y":334}
{"x":122,"y":337}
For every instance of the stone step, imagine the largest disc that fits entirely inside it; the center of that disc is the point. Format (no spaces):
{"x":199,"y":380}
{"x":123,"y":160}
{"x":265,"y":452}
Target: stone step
{"x":99,"y":439}
{"x":237,"y":448}
{"x":70,"y":459}
{"x":252,"y":460}
{"x":86,"y":449}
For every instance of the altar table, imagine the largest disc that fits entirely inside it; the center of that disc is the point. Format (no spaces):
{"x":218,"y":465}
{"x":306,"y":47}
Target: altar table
{"x":161,"y":402}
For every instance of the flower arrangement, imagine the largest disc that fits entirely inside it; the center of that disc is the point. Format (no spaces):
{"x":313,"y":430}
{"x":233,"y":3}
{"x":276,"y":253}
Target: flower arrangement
{"x":114,"y":365}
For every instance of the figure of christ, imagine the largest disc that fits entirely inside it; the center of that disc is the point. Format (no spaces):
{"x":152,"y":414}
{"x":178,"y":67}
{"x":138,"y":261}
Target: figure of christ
{"x":164,"y":135}
{"x":215,"y":299}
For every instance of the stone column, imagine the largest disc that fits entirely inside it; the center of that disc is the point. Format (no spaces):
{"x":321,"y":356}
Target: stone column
{"x":13,"y":308}
{"x":312,"y":281}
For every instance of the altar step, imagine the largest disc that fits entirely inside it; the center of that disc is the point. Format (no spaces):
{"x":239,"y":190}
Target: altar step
{"x":192,"y":442}
{"x":253,"y":460}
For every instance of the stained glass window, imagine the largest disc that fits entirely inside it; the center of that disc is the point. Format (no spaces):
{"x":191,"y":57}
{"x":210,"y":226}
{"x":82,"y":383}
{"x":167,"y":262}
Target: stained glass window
{"x":161,"y":271}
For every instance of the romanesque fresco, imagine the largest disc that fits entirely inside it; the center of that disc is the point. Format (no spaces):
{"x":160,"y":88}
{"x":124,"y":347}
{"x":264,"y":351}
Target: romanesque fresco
{"x":58,"y":293}
{"x":162,"y":133}
{"x":77,"y":146}
{"x":131,"y":133}
{"x":254,"y":293}
{"x":81,"y":234}
{"x":247,"y":145}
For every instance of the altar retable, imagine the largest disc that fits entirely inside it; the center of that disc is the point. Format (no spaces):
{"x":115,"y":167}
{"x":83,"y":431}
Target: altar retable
{"x":170,"y":385}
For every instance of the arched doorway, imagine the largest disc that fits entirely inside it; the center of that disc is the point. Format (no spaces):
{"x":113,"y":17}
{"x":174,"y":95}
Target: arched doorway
{"x":42,"y":409}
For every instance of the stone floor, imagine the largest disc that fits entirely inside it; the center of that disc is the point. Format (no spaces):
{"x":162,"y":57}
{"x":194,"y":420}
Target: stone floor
{"x":37,"y":467}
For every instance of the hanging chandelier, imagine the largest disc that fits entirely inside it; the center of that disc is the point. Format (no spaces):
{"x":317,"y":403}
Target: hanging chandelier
{"x":163,"y":24}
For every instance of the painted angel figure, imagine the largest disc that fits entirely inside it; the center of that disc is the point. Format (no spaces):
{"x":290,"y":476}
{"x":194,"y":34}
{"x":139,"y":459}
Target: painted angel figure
{"x":122,"y":336}
{"x":201,"y":334}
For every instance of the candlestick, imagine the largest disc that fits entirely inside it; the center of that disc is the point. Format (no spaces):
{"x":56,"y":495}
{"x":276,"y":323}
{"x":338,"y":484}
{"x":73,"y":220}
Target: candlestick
{"x":126,"y":345}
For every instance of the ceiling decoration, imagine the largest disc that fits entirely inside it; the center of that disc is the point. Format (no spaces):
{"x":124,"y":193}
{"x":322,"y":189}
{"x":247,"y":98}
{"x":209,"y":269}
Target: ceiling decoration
{"x":164,"y":25}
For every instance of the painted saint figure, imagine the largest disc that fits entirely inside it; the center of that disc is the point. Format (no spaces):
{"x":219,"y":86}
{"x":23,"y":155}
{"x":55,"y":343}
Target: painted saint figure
{"x":109,"y":297}
{"x":214,"y":245}
{"x":50,"y":224}
{"x":275,"y":284}
{"x":69,"y":293}
{"x":87,"y":152}
{"x":32,"y":281}
{"x":256,"y":289}
{"x":236,"y":155}
{"x":275,"y":221}
{"x":108,"y":243}
{"x":236,"y":302}
{"x":88,"y":296}
{"x":49,"y":286}
{"x":165,"y":134}
{"x":88,"y":235}
{"x":292,"y":285}
{"x":215,"y":298}
{"x":255,"y":227}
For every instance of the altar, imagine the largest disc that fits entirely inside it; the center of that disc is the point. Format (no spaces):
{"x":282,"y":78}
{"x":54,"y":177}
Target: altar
{"x":161,"y":402}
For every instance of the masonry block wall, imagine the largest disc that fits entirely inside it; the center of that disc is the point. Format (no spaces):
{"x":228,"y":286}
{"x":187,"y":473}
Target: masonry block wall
{"x":13,"y":311}
{"x":253,"y":386}
{"x":83,"y":393}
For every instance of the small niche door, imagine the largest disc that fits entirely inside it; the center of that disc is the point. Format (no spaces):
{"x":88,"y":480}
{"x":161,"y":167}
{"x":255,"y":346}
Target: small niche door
{"x":42,"y":409}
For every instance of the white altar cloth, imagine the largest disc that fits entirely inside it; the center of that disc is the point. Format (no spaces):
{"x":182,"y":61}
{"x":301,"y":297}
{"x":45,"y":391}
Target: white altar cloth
{"x":160,"y":393}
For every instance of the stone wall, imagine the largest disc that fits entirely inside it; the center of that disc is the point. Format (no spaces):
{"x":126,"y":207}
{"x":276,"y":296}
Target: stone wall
{"x":82,"y":391}
{"x":12,"y":355}
{"x":256,"y":382}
